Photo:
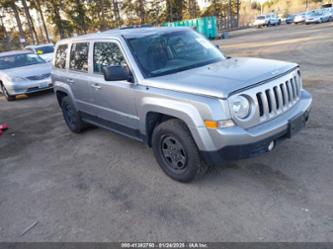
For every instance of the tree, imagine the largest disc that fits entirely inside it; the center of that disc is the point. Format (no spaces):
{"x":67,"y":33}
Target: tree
{"x":14,"y":8}
{"x":37,"y":5}
{"x":174,"y":10}
{"x":54,"y":8}
{"x":32,"y":29}
{"x":155,"y":11}
{"x":193,"y":8}
{"x":76,"y":11}
{"x":135,"y":11}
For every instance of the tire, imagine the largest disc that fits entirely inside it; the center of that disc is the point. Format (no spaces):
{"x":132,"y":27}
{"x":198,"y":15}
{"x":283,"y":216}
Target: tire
{"x":6,"y":94}
{"x":71,"y":116}
{"x":172,"y":139}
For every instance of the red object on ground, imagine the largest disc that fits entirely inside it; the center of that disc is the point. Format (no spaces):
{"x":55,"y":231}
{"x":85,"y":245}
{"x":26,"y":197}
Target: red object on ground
{"x":3,"y":127}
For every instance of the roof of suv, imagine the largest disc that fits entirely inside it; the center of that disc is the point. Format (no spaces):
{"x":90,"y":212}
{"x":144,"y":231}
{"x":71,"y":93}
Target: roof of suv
{"x":128,"y":33}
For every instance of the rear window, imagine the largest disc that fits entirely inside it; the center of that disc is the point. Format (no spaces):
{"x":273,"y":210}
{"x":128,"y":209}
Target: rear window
{"x":79,"y":57}
{"x":60,"y":57}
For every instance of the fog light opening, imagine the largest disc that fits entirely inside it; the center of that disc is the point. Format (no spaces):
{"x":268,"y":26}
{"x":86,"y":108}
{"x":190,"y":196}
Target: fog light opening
{"x":271,"y":146}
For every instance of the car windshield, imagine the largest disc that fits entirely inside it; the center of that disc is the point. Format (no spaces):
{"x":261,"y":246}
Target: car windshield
{"x":45,"y":49}
{"x":260,"y":17}
{"x":166,"y":53}
{"x":19,"y":60}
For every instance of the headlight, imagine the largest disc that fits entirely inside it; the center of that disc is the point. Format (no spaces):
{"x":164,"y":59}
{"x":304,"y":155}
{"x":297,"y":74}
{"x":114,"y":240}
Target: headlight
{"x":240,"y":107}
{"x":17,"y":79}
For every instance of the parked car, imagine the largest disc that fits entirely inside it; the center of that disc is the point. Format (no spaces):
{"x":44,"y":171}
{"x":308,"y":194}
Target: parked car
{"x":290,"y":19}
{"x":300,"y":18}
{"x":316,"y":17}
{"x":328,"y":13}
{"x":173,"y":90}
{"x":267,"y":20}
{"x":43,"y":50}
{"x":22,"y":72}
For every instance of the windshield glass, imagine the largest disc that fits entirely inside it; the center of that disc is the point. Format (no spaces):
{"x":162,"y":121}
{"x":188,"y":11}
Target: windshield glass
{"x":260,"y":17}
{"x":167,"y":53}
{"x":45,"y":49}
{"x":19,"y":60}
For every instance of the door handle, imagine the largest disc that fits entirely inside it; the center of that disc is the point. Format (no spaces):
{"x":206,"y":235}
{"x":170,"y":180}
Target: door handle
{"x":96,"y":86}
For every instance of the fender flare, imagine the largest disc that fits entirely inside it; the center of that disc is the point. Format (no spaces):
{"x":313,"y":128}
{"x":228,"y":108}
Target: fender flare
{"x":180,"y":110}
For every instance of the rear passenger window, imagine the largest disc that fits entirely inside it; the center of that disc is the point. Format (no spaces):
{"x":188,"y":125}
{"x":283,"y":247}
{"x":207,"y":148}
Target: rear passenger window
{"x":79,"y":57}
{"x":107,"y":53}
{"x":60,"y":57}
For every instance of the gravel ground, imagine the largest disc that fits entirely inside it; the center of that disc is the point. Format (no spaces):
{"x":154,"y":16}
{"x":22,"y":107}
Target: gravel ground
{"x":99,"y":186}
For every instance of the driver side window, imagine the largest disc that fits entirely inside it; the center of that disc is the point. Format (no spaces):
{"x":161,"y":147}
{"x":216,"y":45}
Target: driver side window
{"x":106,"y":54}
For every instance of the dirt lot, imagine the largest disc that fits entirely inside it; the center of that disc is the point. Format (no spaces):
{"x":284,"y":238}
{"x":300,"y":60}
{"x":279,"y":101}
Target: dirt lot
{"x":99,"y":186}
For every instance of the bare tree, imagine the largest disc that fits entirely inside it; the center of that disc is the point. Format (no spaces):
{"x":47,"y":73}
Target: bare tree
{"x":30,"y":22}
{"x":13,"y":6}
{"x":39,"y":9}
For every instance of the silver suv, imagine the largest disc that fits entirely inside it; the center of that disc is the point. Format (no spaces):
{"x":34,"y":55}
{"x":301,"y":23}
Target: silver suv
{"x":173,"y":90}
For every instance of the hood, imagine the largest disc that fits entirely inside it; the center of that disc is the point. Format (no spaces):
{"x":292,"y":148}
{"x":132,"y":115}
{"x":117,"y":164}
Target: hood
{"x":32,"y":70}
{"x":222,"y":78}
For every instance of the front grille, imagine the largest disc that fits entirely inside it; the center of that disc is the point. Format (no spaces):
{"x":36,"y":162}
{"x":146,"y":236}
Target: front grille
{"x":39,"y":77}
{"x":278,"y":98}
{"x":272,"y":98}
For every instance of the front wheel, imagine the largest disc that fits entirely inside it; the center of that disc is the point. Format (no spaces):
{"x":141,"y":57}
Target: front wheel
{"x":176,"y":152}
{"x":6,"y":94}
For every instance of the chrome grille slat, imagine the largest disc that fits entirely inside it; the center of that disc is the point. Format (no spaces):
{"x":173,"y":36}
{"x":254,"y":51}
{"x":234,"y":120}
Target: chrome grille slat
{"x":290,"y":98}
{"x":273,"y":101}
{"x":279,"y":96}
{"x":284,"y":94}
{"x":265,"y":104}
{"x":296,"y":85}
{"x":273,"y":98}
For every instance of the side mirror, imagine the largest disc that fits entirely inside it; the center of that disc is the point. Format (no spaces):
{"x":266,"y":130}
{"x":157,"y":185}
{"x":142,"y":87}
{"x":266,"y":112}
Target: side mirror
{"x":39,"y":52}
{"x":113,"y":73}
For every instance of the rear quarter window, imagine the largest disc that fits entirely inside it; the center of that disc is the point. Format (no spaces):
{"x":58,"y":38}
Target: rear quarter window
{"x":60,"y":57}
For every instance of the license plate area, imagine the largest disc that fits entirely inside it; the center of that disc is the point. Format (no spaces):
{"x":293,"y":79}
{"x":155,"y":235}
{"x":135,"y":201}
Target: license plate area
{"x":295,"y":125}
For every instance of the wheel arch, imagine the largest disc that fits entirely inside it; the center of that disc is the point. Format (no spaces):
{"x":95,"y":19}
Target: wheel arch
{"x":60,"y":95}
{"x":155,"y":111}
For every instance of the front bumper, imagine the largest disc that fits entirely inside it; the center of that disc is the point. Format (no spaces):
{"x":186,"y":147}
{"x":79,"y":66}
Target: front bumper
{"x":25,"y":87}
{"x":237,"y":143}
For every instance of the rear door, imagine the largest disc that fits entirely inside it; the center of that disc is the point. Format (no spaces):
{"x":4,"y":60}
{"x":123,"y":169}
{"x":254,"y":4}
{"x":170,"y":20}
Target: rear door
{"x":78,"y":76}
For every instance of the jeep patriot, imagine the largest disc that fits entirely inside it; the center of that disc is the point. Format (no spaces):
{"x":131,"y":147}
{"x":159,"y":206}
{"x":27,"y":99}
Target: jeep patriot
{"x":173,"y":90}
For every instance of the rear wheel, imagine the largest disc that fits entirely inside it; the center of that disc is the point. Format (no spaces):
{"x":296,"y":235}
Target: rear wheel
{"x":176,"y":151}
{"x":6,"y":94}
{"x":71,"y":116}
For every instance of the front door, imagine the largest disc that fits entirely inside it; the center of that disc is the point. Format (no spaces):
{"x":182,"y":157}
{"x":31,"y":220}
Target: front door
{"x":114,"y":100}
